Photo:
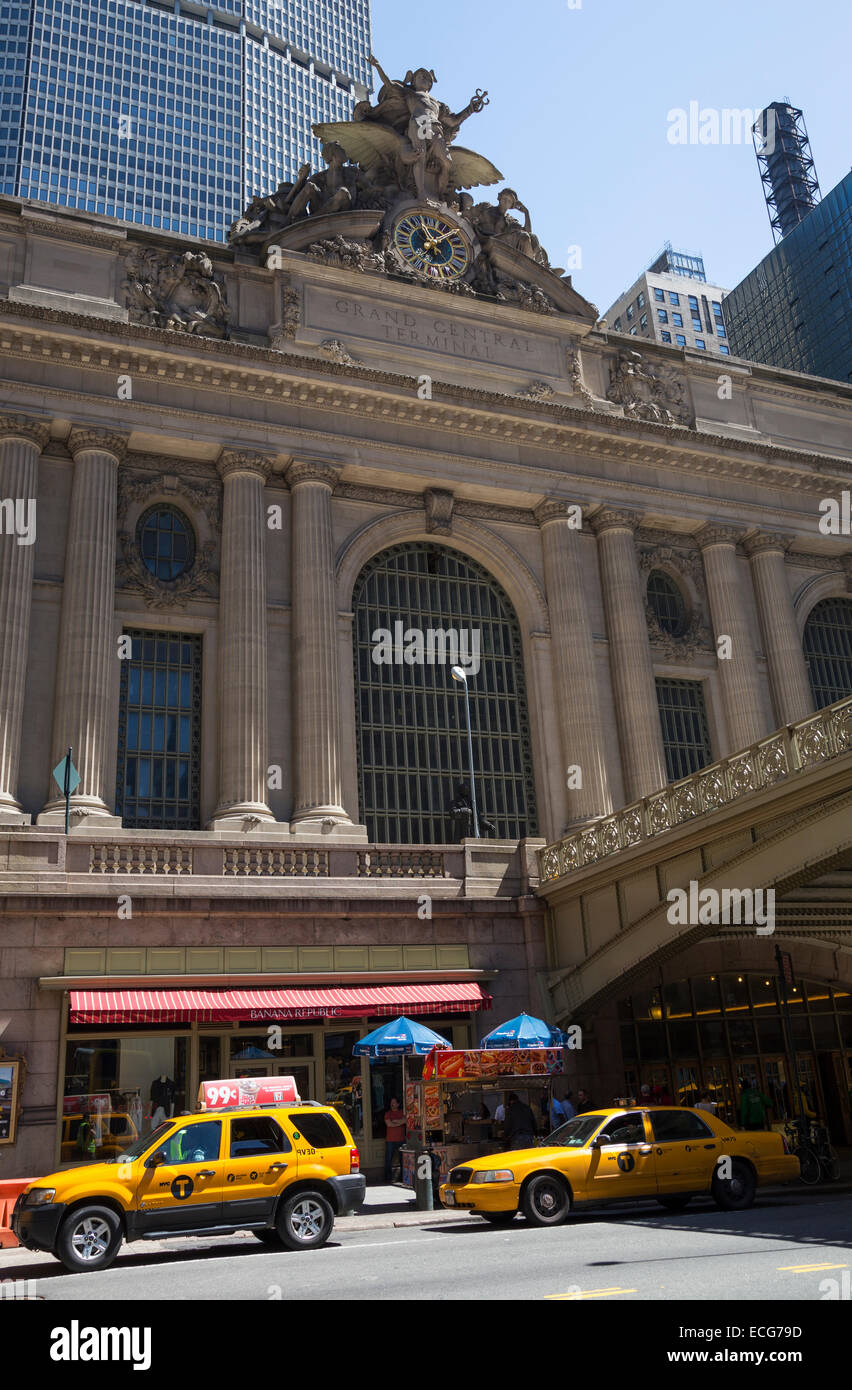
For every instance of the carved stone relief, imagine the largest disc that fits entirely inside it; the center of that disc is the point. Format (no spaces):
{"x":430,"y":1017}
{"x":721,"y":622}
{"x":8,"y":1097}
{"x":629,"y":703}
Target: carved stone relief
{"x":137,"y":491}
{"x":686,"y":569}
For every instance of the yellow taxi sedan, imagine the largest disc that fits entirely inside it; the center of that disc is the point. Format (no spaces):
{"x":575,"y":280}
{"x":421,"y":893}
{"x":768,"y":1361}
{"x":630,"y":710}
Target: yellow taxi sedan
{"x":668,"y":1153}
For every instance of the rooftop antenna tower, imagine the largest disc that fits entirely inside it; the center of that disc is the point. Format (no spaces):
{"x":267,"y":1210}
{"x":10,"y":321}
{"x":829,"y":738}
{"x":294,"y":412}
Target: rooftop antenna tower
{"x":786,"y":165}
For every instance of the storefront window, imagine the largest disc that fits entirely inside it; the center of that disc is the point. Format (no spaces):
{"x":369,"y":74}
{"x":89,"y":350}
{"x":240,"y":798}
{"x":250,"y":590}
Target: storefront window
{"x":741,"y":1034}
{"x":677,"y":1001}
{"x":209,"y":1058}
{"x":343,"y":1080}
{"x":652,"y":1041}
{"x":248,"y":1048}
{"x":683,"y":1040}
{"x":705,"y":989}
{"x":770,"y":1034}
{"x":712,"y":1036}
{"x":385,"y":1083}
{"x":734,"y":993}
{"x":117,"y":1088}
{"x":763,"y":993}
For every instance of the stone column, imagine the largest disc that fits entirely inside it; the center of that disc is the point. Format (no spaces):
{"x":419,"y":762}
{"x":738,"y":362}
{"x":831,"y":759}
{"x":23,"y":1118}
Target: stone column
{"x":737,"y":674}
{"x":317,"y":781}
{"x":86,"y":669}
{"x":577,"y":703}
{"x":242,"y":666}
{"x":788,"y":673}
{"x":636,"y":708}
{"x":21,"y":442}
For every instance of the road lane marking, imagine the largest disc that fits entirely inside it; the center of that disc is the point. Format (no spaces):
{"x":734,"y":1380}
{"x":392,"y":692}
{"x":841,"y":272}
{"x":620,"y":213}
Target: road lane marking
{"x":808,"y":1269}
{"x":588,"y":1293}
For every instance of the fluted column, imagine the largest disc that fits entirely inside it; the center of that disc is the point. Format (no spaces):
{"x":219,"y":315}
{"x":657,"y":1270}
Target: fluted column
{"x":636,"y":708}
{"x":21,"y":442}
{"x":737,"y":673}
{"x":788,"y":673}
{"x":318,"y":791}
{"x":242,"y":667}
{"x":86,"y":662}
{"x":577,"y":703}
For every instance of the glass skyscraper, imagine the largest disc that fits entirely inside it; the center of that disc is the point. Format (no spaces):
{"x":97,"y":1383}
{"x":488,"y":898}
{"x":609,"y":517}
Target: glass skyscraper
{"x":795,"y":308}
{"x":172,"y":115}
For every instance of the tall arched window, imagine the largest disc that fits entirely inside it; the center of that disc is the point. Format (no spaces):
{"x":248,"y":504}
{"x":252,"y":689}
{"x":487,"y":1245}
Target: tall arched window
{"x":412,"y":740}
{"x":828,"y":650}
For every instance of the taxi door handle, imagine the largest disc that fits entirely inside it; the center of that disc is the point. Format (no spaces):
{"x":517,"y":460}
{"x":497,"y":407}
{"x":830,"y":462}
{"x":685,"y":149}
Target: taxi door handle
{"x":206,"y":1173}
{"x":277,"y":1167}
{"x":709,"y":1146}
{"x":644,"y":1148}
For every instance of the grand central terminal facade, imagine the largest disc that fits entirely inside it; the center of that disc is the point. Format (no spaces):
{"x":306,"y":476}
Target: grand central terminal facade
{"x":223,"y":471}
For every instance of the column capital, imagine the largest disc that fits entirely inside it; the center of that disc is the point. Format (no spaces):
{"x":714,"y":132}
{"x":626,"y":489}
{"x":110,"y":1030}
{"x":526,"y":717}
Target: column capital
{"x":104,"y":441}
{"x":232,"y":461}
{"x":767,"y":540}
{"x":314,"y":471}
{"x":718,"y":533}
{"x":615,"y":519}
{"x":557,"y":509}
{"x":24,"y":427}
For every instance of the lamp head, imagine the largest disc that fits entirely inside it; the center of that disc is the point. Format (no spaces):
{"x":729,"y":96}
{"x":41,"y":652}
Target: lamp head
{"x":458,"y":675}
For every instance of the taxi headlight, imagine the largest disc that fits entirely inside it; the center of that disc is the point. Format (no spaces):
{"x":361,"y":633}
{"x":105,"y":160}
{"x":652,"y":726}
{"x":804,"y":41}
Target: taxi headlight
{"x":40,"y":1196}
{"x":495,"y":1175}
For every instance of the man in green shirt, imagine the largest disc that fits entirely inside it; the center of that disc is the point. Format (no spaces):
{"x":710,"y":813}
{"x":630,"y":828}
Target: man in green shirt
{"x":753,"y":1107}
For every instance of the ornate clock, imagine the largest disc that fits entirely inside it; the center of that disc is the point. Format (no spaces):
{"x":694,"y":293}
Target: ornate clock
{"x":432,"y":244}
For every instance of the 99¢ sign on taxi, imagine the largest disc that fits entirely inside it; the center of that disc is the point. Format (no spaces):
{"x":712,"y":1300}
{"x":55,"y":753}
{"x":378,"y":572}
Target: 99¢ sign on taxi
{"x":248,"y":1090}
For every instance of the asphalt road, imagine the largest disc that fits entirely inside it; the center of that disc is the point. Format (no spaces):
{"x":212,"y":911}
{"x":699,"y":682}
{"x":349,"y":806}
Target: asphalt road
{"x":780,"y":1250}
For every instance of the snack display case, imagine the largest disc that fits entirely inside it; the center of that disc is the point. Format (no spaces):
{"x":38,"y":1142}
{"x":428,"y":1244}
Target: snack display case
{"x":441,"y":1110}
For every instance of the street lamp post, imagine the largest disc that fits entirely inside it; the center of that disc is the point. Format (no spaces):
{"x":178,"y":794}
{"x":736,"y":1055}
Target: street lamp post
{"x":459,"y":675}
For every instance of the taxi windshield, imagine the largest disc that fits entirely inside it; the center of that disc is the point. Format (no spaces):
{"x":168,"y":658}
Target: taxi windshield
{"x":136,"y":1149}
{"x":576,"y":1133}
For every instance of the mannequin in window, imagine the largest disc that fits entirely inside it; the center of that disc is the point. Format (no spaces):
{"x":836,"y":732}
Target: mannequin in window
{"x":163,"y":1091}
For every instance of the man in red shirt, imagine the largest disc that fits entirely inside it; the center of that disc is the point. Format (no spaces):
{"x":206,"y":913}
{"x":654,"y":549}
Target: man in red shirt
{"x":395,"y":1132}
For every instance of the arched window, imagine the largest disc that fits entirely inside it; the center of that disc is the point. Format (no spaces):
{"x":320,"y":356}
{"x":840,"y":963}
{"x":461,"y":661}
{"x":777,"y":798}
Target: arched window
{"x":166,"y":541}
{"x":828,"y":650}
{"x":420,"y":609}
{"x":667,"y":603}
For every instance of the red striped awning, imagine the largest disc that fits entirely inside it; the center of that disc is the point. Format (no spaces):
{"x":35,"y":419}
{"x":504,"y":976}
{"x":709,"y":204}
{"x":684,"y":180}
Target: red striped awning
{"x":290,"y":1005}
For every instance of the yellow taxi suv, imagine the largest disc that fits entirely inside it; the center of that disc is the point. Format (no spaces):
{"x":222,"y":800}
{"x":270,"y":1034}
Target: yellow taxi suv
{"x":281,"y":1172}
{"x":670,"y":1154}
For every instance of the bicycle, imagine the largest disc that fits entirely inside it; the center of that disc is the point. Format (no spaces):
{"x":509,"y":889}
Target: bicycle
{"x":810,"y":1143}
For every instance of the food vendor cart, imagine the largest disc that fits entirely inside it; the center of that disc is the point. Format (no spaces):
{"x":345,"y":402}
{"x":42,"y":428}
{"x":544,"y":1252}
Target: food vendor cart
{"x":441,"y":1109}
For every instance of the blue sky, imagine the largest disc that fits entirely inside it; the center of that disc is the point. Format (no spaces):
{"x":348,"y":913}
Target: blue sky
{"x":580,"y":99}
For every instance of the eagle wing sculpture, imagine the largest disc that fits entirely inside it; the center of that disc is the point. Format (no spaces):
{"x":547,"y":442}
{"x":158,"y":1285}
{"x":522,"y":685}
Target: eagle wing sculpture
{"x":471,"y":169}
{"x":367,"y":143}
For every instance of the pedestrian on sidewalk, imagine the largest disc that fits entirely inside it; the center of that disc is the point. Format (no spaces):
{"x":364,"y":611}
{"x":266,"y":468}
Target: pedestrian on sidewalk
{"x":395,"y":1132}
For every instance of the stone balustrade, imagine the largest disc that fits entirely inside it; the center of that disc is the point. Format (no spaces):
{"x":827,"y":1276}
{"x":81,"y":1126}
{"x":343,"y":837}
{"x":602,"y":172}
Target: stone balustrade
{"x":792,"y":750}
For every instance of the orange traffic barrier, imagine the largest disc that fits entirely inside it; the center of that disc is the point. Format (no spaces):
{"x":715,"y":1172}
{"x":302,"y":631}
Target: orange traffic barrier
{"x":9,"y":1194}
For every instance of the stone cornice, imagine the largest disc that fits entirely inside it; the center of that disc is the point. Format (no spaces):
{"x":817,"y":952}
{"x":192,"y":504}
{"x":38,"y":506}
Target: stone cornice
{"x":84,"y":236}
{"x":84,"y":438}
{"x":24,"y":427}
{"x":541,"y":423}
{"x":314,"y":471}
{"x":615,"y":519}
{"x":763,"y":541}
{"x":717,"y":533}
{"x":232,"y":461}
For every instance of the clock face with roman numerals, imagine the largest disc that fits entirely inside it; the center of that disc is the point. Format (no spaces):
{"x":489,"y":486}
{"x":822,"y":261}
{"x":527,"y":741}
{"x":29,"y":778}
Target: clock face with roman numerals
{"x":432,"y":245}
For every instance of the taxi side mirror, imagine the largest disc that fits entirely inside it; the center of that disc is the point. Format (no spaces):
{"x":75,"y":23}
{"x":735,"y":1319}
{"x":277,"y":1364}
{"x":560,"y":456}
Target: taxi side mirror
{"x":156,"y":1159}
{"x":599,"y":1141}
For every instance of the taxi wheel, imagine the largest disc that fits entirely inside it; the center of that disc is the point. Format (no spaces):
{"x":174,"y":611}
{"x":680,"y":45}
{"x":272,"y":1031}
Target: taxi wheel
{"x":736,"y":1192}
{"x":498,"y":1218}
{"x":545,"y":1200}
{"x":306,"y":1221}
{"x":89,"y":1239}
{"x":674,"y":1203}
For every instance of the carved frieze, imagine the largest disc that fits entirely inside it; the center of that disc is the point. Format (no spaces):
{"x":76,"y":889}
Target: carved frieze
{"x":649,"y":390}
{"x":337,"y":351}
{"x":176,"y":290}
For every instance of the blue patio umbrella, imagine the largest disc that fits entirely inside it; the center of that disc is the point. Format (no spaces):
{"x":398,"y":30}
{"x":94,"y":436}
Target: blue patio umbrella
{"x":523,"y":1031}
{"x":403,"y":1037}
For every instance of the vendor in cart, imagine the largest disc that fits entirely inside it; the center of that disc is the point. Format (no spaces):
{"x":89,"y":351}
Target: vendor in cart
{"x":520,"y":1127}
